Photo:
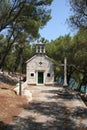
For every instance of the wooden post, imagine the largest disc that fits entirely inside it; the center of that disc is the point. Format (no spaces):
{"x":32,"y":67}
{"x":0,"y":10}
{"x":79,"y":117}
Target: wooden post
{"x":20,"y":85}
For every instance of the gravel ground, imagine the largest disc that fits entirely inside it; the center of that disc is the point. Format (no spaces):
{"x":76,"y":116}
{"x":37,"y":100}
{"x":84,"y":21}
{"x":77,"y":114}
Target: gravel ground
{"x":52,"y":108}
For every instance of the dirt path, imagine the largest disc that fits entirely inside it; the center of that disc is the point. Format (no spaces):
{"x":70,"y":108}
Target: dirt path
{"x":52,"y":108}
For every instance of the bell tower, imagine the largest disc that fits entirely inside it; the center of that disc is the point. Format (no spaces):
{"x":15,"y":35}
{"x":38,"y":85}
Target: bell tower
{"x":40,"y":48}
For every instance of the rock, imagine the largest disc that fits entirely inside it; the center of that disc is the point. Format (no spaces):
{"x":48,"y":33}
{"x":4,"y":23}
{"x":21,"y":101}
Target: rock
{"x":86,"y":96}
{"x":25,"y":92}
{"x":28,"y":95}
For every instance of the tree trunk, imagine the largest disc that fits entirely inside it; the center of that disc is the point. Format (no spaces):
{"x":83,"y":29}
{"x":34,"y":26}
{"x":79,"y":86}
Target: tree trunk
{"x":17,"y":62}
{"x":5,"y":55}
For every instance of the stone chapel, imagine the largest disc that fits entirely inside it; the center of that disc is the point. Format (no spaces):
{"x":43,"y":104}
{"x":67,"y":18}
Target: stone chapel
{"x":40,"y":68}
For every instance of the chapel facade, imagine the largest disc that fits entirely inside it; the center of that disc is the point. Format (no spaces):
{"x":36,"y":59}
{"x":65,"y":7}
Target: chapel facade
{"x":40,"y":68}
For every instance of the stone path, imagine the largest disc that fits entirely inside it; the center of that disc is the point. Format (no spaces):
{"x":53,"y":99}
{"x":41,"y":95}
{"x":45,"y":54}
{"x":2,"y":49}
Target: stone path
{"x":52,"y":108}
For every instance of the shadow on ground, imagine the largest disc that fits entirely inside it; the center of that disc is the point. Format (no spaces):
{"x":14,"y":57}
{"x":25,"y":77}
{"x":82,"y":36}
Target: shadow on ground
{"x":66,"y":94}
{"x":3,"y":126}
{"x":52,"y":115}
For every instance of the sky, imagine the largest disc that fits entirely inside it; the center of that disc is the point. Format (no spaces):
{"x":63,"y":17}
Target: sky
{"x":57,"y":26}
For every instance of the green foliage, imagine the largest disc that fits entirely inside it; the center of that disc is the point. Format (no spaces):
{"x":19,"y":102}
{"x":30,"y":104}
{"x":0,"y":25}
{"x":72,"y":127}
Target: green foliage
{"x":78,"y":18}
{"x":3,"y":45}
{"x":24,"y":15}
{"x":22,"y":19}
{"x":12,"y":63}
{"x":58,"y":50}
{"x":75,"y":49}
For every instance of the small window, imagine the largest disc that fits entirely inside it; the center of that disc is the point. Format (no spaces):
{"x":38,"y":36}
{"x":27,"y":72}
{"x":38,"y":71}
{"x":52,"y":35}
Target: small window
{"x":48,"y":75}
{"x":40,"y":63}
{"x":32,"y":74}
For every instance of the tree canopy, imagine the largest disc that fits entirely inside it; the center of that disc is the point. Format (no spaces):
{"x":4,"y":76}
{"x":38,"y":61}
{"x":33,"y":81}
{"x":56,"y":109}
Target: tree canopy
{"x":75,"y":49}
{"x":22,"y":19}
{"x":78,"y":18}
{"x":25,"y":15}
